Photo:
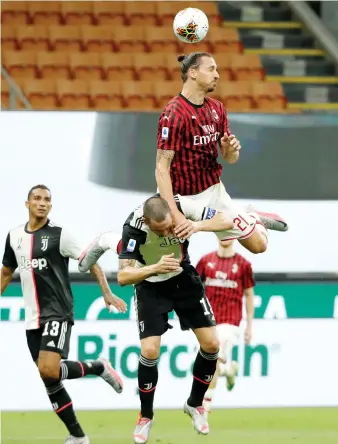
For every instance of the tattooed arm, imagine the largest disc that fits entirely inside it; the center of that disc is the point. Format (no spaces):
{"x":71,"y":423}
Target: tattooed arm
{"x":163,"y":179}
{"x":128,"y":274}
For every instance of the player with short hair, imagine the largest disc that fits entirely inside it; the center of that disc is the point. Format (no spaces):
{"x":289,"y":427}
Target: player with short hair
{"x":191,"y":129}
{"x":157,"y":263}
{"x":227,"y":276}
{"x":41,"y":250}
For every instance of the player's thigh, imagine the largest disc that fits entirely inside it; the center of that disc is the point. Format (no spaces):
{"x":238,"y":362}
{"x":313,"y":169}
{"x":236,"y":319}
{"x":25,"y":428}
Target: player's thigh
{"x":244,"y":224}
{"x":191,"y":304}
{"x":152,"y":310}
{"x":34,"y":342}
{"x":204,"y":198}
{"x":228,"y":336}
{"x":55,"y":337}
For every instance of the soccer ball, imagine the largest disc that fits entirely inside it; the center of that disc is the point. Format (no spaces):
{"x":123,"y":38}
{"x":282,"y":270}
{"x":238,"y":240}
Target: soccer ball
{"x":191,"y":25}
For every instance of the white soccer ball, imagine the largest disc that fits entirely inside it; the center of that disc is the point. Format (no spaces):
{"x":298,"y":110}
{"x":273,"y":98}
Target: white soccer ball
{"x":191,"y":25}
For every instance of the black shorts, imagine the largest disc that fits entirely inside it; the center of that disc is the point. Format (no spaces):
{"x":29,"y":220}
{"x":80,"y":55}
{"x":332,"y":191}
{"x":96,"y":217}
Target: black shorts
{"x":183,"y":293}
{"x":52,"y":336}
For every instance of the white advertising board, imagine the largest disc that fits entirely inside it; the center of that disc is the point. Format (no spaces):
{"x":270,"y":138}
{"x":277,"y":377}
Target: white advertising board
{"x":280,"y":368}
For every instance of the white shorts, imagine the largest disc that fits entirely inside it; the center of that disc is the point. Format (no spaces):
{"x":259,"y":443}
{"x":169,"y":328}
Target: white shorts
{"x":217,"y":198}
{"x":228,"y":336}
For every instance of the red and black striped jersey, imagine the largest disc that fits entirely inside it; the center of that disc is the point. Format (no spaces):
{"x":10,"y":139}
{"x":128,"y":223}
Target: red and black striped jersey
{"x":225,"y":281}
{"x":193,"y":132}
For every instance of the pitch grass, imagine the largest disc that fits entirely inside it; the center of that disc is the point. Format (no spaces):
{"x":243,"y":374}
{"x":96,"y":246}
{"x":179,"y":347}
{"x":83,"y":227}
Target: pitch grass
{"x":235,"y":426}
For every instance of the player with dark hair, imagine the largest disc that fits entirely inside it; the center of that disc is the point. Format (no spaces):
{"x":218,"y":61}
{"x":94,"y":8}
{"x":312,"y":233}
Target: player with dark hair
{"x":41,"y":250}
{"x":157,"y":263}
{"x":227,"y":277}
{"x":191,"y":129}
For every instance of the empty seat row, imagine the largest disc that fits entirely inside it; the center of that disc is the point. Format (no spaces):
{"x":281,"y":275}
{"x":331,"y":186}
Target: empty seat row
{"x":141,"y":95}
{"x":107,"y":38}
{"x":121,"y":66}
{"x":100,"y":12}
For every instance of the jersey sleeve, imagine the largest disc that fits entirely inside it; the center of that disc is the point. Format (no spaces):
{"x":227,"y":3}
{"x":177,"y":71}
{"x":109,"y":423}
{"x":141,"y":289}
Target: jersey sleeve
{"x":200,"y":267}
{"x":69,"y":247}
{"x":132,"y":239}
{"x":9,"y":259}
{"x":170,"y":130}
{"x":193,"y":209}
{"x":248,"y":277}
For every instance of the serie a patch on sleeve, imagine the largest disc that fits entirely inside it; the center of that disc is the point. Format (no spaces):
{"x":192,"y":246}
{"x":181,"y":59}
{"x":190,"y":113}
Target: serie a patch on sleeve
{"x":165,"y":133}
{"x":209,"y":213}
{"x":131,"y":245}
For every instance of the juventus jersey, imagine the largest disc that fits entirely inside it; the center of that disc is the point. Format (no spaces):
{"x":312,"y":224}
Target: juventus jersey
{"x":147,"y":247}
{"x":42,"y":257}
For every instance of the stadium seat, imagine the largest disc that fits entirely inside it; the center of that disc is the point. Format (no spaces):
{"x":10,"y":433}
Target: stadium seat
{"x":5,"y":89}
{"x":109,"y":13}
{"x":130,"y":39}
{"x":20,"y":63}
{"x":150,"y":66}
{"x":140,"y":13}
{"x":65,"y":38}
{"x":117,"y":66}
{"x":224,"y":40}
{"x":32,"y":38}
{"x":139,"y":95}
{"x":97,"y":38}
{"x":224,"y":66}
{"x":105,"y":95}
{"x":73,"y":94}
{"x":85,"y":65}
{"x":268,"y":95}
{"x":45,"y":13}
{"x":247,"y":67}
{"x":165,"y":91}
{"x":162,"y":39}
{"x":41,"y":93}
{"x":14,"y":13}
{"x":53,"y":65}
{"x":77,"y":12}
{"x":211,"y":10}
{"x":237,"y":96}
{"x":166,"y":12}
{"x":173,"y":66}
{"x":8,"y":38}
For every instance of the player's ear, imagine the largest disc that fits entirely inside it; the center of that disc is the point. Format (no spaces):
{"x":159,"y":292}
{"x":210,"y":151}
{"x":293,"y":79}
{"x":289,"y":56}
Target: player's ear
{"x":27,"y":204}
{"x":193,"y":73}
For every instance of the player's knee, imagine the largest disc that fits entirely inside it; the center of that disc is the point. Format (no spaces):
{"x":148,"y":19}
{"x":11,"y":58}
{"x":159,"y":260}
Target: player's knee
{"x":259,"y":247}
{"x":150,"y":350}
{"x":49,"y":373}
{"x":210,"y":345}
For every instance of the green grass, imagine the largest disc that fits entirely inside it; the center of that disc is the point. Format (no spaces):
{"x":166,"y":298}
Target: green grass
{"x":239,"y":426}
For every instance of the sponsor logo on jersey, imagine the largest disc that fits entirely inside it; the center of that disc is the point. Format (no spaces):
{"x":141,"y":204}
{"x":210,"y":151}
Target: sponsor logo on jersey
{"x":131,"y":245}
{"x":169,"y":241}
{"x":165,"y":133}
{"x":210,"y":213}
{"x":28,"y":264}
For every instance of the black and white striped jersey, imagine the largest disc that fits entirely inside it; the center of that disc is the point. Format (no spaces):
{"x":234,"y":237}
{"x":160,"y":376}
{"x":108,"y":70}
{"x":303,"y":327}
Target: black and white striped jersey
{"x":147,"y":247}
{"x":42,"y":257}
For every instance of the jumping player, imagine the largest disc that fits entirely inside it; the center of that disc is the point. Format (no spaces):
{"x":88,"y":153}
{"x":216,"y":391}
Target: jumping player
{"x":191,"y":129}
{"x":41,"y":251}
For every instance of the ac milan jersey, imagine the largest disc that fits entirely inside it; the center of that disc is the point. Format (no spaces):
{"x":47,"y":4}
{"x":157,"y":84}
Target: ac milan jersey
{"x":42,"y":257}
{"x":225,"y":281}
{"x":193,"y":132}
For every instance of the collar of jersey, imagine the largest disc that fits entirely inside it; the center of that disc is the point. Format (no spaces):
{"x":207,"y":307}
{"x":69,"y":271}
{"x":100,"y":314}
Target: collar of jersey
{"x":32,"y":232}
{"x":190,"y":103}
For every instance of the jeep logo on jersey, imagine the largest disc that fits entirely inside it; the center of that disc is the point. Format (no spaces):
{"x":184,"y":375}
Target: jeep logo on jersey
{"x":169,"y":241}
{"x":34,"y":263}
